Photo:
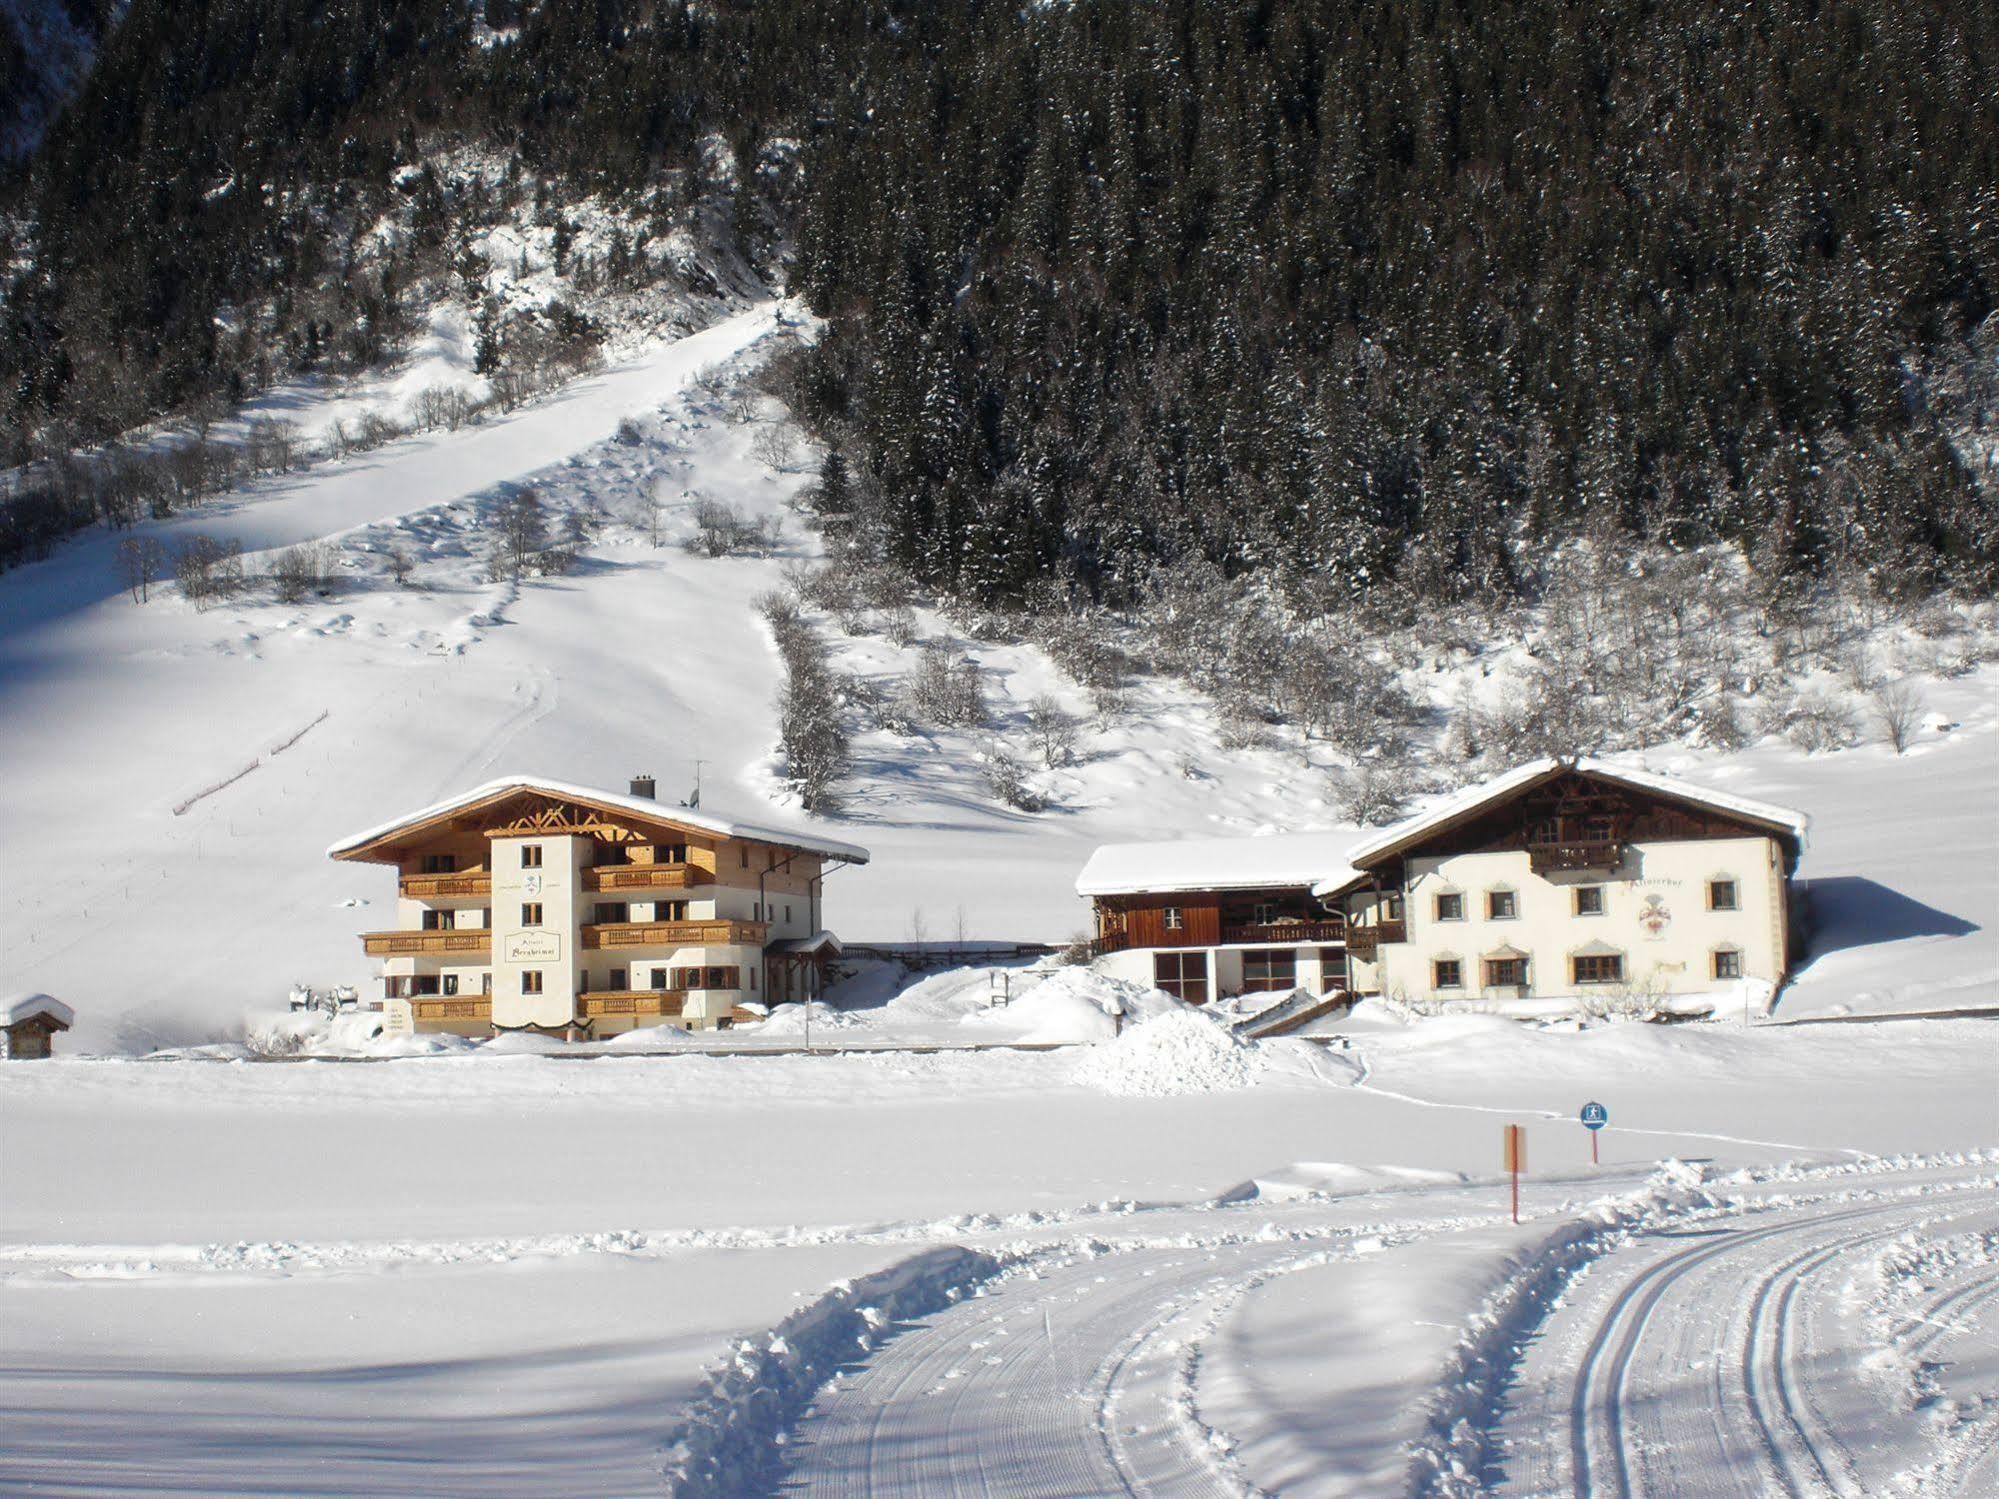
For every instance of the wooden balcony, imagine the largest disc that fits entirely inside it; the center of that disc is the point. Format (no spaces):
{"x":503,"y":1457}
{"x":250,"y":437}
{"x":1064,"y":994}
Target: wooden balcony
{"x":469,"y":942}
{"x":1365,"y":941}
{"x":619,"y":934}
{"x":435,"y":1008}
{"x":1594,"y":853}
{"x":1110,"y":942}
{"x":604,"y":877}
{"x":616,"y":1004}
{"x":475,"y":882}
{"x":1285,"y":933}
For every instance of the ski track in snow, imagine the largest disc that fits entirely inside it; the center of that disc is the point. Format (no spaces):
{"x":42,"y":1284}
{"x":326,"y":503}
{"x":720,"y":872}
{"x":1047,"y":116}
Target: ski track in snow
{"x":1713,"y":1367}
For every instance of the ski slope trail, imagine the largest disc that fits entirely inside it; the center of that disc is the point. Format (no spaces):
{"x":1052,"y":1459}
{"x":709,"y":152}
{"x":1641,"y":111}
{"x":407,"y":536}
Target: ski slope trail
{"x":1730,"y":1358}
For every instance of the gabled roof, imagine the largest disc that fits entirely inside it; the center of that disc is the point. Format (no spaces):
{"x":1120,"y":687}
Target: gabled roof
{"x":14,"y":1008}
{"x":1274,"y":861}
{"x":1781,"y":822}
{"x":608,"y":801}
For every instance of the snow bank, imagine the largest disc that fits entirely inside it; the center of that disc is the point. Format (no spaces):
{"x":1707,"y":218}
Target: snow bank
{"x":731,"y":1438}
{"x":1071,"y":1005}
{"x":1181,"y":1051}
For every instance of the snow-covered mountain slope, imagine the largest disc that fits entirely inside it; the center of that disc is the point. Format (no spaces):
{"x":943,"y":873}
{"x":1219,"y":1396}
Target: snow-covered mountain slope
{"x":170,"y":776}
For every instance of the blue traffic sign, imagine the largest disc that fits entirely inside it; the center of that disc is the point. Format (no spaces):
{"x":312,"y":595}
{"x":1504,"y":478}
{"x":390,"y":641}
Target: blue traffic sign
{"x":1595,"y":1116}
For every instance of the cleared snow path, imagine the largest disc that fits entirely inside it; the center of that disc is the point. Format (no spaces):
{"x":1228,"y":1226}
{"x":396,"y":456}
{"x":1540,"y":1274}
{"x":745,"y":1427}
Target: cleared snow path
{"x":1724,"y":1358}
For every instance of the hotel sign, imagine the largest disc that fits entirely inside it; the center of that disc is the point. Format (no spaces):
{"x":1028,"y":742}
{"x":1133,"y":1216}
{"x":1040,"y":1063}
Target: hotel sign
{"x":532,"y":947}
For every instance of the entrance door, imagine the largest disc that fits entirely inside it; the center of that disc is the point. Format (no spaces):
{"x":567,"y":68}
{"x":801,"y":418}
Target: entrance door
{"x":1184,"y":975}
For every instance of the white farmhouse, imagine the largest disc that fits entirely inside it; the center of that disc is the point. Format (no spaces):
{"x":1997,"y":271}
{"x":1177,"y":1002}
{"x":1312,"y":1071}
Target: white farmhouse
{"x":1559,"y":880}
{"x":531,"y":904}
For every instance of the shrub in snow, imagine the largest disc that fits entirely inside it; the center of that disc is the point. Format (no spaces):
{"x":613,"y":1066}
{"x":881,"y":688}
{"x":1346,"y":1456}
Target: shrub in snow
{"x":1373,"y":795}
{"x":1006,"y":779}
{"x":948,"y":689}
{"x":1180,"y":1051}
{"x":1053,"y":731}
{"x":1816,"y":724}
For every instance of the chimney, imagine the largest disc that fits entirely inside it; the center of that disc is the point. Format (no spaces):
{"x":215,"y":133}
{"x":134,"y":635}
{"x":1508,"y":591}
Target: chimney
{"x":644,"y":786}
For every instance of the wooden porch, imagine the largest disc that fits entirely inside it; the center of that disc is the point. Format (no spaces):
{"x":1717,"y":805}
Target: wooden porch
{"x":467,"y":882}
{"x":609,"y":877}
{"x":633,"y":1004}
{"x":447,"y":1008}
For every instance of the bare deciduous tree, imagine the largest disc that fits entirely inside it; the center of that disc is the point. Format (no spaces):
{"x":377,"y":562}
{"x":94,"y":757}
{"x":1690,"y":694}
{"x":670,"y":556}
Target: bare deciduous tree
{"x":142,"y":558}
{"x":1054,"y":731}
{"x":1898,"y":707}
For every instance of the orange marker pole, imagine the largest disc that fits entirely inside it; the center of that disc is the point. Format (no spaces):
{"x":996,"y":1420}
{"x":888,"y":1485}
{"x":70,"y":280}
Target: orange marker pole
{"x":1516,"y":1161}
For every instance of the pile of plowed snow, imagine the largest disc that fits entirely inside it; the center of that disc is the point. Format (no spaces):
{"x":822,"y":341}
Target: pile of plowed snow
{"x":1180,"y":1051}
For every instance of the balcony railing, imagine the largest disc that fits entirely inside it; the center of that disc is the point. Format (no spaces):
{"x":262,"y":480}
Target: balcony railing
{"x":475,"y":940}
{"x":434,"y":1008}
{"x":1283,"y":933}
{"x":644,"y":877}
{"x":615,"y":1003}
{"x":444,"y":886}
{"x":1594,"y":853}
{"x":1365,"y":941}
{"x":617,"y":934}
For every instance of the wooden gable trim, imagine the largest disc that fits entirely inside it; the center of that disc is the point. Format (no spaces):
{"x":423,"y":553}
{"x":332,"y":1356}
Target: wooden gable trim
{"x":1608,"y":789}
{"x":543,"y":812}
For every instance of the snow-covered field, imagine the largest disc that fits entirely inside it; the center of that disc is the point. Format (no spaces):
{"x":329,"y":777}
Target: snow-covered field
{"x":1167,"y":1262}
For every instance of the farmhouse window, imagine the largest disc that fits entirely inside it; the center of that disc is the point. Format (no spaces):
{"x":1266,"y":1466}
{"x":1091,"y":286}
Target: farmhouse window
{"x":1727,"y":963}
{"x":1450,"y":906}
{"x":1172,"y":918}
{"x":1448,"y":973}
{"x":531,"y":981}
{"x":1506,"y":973}
{"x":530,"y":856}
{"x":1589,"y":900}
{"x":1599,"y":968}
{"x":1269,"y":970}
{"x":1184,"y":975}
{"x":1721,"y":895}
{"x":1501,"y":905}
{"x":1264,"y":913}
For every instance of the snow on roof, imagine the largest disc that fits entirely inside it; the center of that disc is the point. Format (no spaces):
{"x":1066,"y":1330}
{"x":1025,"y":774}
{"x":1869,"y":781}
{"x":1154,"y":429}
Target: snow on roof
{"x":1272,"y":860}
{"x":1797,"y":824}
{"x":14,"y":1008}
{"x":817,"y":942}
{"x":727,"y":827}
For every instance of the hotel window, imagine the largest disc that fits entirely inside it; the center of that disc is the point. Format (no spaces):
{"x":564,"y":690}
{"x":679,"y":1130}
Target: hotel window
{"x":1269,"y":970}
{"x":659,"y":978}
{"x":436,"y":921}
{"x":745,"y":852}
{"x":451,"y":983}
{"x":618,"y":978}
{"x":1447,"y":973}
{"x":1727,"y":963}
{"x":1172,"y":919}
{"x":669,"y":910}
{"x":1450,"y":906}
{"x":1501,"y":905}
{"x":1598,"y":968}
{"x":531,"y":914}
{"x":612,"y":911}
{"x":1505,"y":973}
{"x":531,"y":981}
{"x":530,"y":856}
{"x":440,"y":863}
{"x":1589,"y":900}
{"x":485,"y":983}
{"x":1184,"y":975}
{"x":1721,"y":895}
{"x":787,"y":913}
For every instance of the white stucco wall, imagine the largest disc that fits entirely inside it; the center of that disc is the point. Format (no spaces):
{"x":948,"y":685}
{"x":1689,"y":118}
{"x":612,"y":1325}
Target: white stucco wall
{"x":549,"y":948}
{"x":1655,"y":915}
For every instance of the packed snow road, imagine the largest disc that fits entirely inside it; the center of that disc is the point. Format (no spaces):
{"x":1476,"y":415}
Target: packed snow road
{"x":1739,"y":1357}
